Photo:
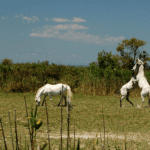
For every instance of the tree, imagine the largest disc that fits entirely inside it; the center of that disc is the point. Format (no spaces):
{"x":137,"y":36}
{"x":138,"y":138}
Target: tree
{"x":126,"y":61}
{"x":106,"y":59}
{"x":144,"y":56}
{"x":7,"y":62}
{"x":133,"y":45}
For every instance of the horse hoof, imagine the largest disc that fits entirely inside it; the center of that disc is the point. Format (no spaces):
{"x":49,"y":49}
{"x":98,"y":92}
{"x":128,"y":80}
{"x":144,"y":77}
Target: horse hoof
{"x":138,"y":106}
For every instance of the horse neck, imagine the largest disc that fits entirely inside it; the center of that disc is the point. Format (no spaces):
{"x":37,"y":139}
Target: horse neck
{"x":67,"y":87}
{"x":141,"y":73}
{"x":39,"y":92}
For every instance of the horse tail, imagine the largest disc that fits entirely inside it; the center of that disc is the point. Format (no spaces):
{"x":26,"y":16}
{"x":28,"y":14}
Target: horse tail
{"x":149,"y":98}
{"x":69,"y":95}
{"x":118,"y":93}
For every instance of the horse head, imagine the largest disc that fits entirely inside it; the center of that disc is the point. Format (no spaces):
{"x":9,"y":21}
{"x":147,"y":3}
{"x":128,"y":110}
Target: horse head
{"x":139,"y":64}
{"x":37,"y":99}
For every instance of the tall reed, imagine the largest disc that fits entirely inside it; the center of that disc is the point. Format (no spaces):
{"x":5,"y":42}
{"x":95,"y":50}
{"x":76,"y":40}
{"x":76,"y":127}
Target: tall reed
{"x":3,"y":134}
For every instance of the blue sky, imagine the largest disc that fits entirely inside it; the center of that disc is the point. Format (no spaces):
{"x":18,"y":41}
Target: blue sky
{"x":69,"y":32}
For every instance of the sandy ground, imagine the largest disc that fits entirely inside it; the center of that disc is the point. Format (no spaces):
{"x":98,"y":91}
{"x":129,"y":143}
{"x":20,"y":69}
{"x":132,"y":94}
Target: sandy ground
{"x":134,"y":137}
{"x":85,"y":135}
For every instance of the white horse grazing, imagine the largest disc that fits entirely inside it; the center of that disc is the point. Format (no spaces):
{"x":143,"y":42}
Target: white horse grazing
{"x":142,"y":81}
{"x":124,"y":91}
{"x":54,"y":90}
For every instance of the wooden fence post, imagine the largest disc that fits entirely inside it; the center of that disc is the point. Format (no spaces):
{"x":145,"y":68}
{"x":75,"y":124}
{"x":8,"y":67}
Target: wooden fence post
{"x":61,"y":115}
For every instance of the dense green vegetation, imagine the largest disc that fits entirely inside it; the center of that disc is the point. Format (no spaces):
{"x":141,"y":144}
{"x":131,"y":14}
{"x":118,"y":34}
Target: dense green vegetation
{"x":105,"y":76}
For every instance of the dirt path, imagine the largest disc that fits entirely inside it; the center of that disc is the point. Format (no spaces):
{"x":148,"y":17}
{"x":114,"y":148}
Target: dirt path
{"x":85,"y":135}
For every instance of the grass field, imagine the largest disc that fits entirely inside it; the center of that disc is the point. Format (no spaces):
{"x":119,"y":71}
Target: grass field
{"x":128,"y":126}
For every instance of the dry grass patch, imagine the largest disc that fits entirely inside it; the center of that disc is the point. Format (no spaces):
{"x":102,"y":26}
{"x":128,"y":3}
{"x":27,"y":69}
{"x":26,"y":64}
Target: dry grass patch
{"x":128,"y":122}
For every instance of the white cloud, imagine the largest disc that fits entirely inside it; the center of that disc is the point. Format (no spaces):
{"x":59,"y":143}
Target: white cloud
{"x":80,"y":37}
{"x":78,"y":20}
{"x":3,"y":18}
{"x":68,"y":33}
{"x":35,"y":18}
{"x":32,"y":19}
{"x":75,"y":19}
{"x":47,"y":32}
{"x":69,"y":27}
{"x":47,"y":19}
{"x":60,"y":20}
{"x":74,"y":55}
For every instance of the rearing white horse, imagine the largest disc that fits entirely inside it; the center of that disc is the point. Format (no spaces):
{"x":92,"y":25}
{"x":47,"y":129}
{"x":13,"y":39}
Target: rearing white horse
{"x":124,"y":91}
{"x":54,"y":90}
{"x":142,"y":81}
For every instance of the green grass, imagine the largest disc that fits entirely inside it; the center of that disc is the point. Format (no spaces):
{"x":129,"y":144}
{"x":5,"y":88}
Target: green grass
{"x":122,"y":125}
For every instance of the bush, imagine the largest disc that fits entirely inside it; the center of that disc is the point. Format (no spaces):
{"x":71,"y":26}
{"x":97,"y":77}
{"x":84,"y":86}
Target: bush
{"x":95,"y":79}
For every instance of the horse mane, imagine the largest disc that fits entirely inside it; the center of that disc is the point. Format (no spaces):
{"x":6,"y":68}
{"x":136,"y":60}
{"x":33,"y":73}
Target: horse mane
{"x":39,"y":89}
{"x":143,"y":68}
{"x":141,"y":63}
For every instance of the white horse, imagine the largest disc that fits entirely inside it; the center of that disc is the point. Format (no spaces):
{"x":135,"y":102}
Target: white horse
{"x":54,"y":90}
{"x":124,"y":91}
{"x":142,"y":81}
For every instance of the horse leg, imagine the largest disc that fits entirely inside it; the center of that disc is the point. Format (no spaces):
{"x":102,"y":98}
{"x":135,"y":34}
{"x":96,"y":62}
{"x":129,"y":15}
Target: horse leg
{"x":149,"y":99}
{"x":143,"y":93}
{"x":44,"y":100}
{"x":50,"y":98}
{"x":51,"y":101}
{"x":142,"y":96}
{"x":60,"y":101}
{"x":127,"y":98}
{"x":123,"y":96}
{"x":65,"y":100}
